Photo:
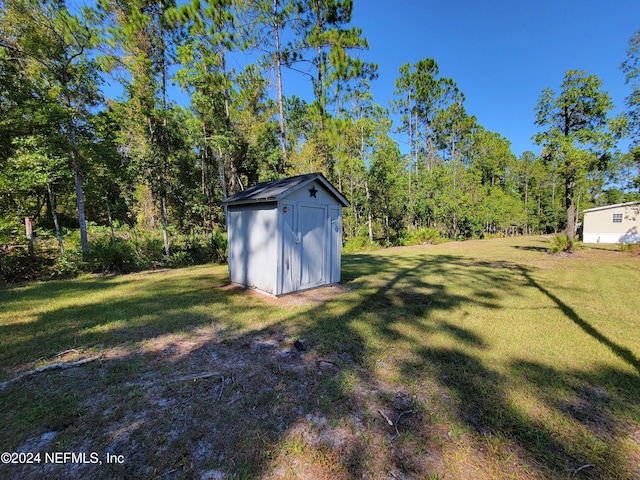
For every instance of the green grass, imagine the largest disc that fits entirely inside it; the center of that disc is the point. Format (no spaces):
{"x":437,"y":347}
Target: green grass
{"x":496,"y":360}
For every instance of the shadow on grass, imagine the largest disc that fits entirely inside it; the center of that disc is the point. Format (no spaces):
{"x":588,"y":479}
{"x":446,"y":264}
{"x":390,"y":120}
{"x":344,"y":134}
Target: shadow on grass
{"x":373,"y":394}
{"x":621,"y":352}
{"x":109,"y":319}
{"x":531,"y":248}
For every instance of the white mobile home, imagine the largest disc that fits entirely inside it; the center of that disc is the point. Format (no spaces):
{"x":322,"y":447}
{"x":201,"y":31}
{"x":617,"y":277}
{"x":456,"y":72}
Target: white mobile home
{"x":286,"y":235}
{"x":612,"y":224}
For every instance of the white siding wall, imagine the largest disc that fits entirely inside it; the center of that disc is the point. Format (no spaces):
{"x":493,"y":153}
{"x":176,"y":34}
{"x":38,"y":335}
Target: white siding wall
{"x":323,"y":197}
{"x":335,"y":218}
{"x":598,"y":226}
{"x":278,"y":254}
{"x":253,"y":251}
{"x":318,"y":253}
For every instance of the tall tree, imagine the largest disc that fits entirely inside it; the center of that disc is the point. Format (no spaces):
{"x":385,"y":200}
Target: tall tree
{"x":530,"y":171}
{"x":631,"y":69}
{"x":266,"y":21}
{"x":453,"y":128}
{"x":141,"y":36}
{"x":423,"y":95}
{"x":204,"y":74}
{"x":52,"y":44}
{"x":577,"y":135}
{"x":325,"y":42}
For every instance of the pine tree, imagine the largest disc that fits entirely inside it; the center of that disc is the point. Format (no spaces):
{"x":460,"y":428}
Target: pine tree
{"x":577,"y":135}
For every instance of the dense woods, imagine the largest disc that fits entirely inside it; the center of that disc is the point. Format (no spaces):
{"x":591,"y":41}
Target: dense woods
{"x":139,"y":181}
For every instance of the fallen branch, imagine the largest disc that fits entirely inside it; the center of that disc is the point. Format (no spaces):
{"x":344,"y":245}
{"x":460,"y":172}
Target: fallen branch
{"x":73,"y":350}
{"x":406,"y":412}
{"x":385,"y":417}
{"x":588,"y":465}
{"x":52,"y":366}
{"x":193,"y":378}
{"x":221,"y":388}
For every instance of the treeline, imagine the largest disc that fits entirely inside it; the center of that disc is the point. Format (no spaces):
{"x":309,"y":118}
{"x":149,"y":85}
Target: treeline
{"x":85,"y":168}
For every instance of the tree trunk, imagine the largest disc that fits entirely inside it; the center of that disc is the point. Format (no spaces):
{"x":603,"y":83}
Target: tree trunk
{"x":75,"y":165}
{"x":113,"y":232}
{"x":526,"y":204}
{"x":78,"y":180}
{"x":84,"y":241}
{"x":223,"y":184}
{"x":320,"y":86}
{"x":283,"y":134}
{"x":165,"y":234}
{"x":369,"y":215}
{"x":54,"y":215}
{"x":571,"y":211}
{"x":28,"y":228}
{"x":387,"y":235}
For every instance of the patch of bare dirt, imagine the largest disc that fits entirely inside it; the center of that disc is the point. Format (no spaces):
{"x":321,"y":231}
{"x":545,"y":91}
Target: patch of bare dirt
{"x":208,"y":405}
{"x":304,"y":297}
{"x":214,"y":404}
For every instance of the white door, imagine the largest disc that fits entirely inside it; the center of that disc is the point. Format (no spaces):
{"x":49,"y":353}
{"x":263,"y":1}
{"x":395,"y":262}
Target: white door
{"x":290,"y":249}
{"x":335,"y":243}
{"x":313,"y":257}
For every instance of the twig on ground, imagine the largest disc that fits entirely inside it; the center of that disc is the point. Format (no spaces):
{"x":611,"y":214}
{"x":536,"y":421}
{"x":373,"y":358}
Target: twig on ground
{"x":384,"y":415}
{"x":53,"y":366}
{"x":167,"y":473}
{"x":406,"y":412}
{"x":193,"y":378}
{"x":326,"y":362}
{"x":588,"y":465}
{"x":67,"y":351}
{"x":221,"y":388}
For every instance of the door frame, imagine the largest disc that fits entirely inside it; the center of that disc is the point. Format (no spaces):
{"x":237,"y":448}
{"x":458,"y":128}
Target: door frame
{"x":289,"y":277}
{"x":301,"y":256}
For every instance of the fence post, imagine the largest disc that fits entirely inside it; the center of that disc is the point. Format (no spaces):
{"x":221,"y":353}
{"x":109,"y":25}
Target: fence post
{"x":28,"y":227}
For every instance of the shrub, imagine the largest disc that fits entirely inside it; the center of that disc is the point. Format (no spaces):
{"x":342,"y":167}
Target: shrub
{"x":20,"y":267}
{"x":133,"y":249}
{"x":561,"y":243}
{"x":633,"y":248}
{"x":219,"y":247}
{"x":148,"y":247}
{"x":198,"y":248}
{"x":360,"y":244}
{"x":107,"y":256}
{"x":421,"y":236}
{"x":180,"y":259}
{"x":67,"y":265}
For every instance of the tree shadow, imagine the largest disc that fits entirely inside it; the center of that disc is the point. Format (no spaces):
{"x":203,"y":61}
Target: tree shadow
{"x":621,"y":352}
{"x":531,"y":248}
{"x":589,"y":404}
{"x":370,"y":393}
{"x":111,"y":319}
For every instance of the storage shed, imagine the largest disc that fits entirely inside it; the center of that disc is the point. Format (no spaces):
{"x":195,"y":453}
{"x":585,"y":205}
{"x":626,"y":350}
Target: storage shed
{"x":618,"y":223}
{"x":286,"y":235}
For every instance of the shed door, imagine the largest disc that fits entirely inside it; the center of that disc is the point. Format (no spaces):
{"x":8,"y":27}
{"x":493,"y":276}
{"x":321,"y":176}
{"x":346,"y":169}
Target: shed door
{"x":335,"y":243}
{"x":313,"y":251}
{"x":290,"y":251}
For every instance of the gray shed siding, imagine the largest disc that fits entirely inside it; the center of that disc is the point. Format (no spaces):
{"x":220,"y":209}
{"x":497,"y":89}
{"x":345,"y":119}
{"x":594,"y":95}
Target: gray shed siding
{"x":311,"y":233}
{"x":286,"y":235}
{"x":253,"y":246}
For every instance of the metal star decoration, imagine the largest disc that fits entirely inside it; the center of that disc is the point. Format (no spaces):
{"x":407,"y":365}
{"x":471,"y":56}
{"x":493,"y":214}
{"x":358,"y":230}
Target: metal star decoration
{"x":312,"y":192}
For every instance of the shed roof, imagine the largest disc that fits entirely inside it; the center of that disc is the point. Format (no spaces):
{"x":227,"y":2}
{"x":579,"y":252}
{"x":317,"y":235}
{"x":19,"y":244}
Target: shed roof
{"x":606,"y":207}
{"x":278,"y":189}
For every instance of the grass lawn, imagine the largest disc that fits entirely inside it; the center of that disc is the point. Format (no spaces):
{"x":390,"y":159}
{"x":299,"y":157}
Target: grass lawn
{"x":479,"y":359}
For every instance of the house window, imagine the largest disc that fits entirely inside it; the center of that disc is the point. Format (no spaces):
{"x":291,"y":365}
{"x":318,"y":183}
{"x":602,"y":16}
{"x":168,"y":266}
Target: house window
{"x":617,"y":218}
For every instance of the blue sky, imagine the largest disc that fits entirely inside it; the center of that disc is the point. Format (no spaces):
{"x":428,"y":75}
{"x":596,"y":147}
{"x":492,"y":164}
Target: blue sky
{"x":501,"y":53}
